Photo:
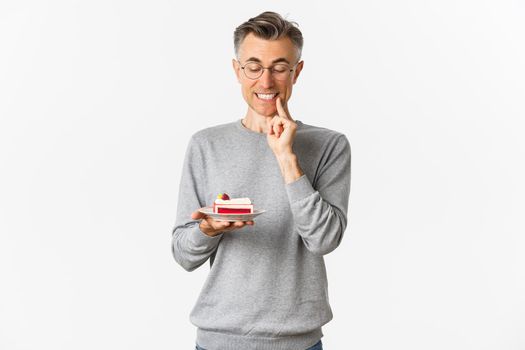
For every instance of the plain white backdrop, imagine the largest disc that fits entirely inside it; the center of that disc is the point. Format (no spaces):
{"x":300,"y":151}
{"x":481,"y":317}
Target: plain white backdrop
{"x":99,"y":98}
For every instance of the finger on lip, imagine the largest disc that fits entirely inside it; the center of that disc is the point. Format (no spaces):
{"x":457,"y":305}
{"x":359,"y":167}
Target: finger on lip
{"x":281,"y":110}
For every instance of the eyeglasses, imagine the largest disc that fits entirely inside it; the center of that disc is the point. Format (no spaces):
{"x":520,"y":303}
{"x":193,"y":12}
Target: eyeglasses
{"x":254,"y":70}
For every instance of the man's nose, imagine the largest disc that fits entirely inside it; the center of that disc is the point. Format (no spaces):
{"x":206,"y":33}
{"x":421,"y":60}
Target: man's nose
{"x":266,"y":78}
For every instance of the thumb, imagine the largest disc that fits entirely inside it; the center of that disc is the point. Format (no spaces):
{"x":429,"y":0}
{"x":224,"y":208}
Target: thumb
{"x":196,"y":215}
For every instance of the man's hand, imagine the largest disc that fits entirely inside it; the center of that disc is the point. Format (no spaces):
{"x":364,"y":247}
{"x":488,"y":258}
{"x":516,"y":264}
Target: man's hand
{"x":212,"y":227}
{"x":281,"y":134}
{"x":281,"y":131}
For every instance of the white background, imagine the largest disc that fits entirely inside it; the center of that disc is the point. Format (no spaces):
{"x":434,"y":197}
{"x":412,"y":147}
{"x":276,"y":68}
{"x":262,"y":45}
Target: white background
{"x":99,"y":98}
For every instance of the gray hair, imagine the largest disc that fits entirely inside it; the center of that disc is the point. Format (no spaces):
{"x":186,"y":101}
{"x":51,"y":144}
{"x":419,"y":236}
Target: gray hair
{"x":269,"y":26}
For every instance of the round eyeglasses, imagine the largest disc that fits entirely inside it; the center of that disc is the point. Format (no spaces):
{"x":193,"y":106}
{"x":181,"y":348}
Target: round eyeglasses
{"x":279,"y":71}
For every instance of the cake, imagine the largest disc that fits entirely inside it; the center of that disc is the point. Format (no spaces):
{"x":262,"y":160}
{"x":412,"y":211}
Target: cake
{"x":224,"y":205}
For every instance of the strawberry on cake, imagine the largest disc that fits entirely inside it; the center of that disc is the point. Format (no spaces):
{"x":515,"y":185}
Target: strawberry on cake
{"x":224,"y":205}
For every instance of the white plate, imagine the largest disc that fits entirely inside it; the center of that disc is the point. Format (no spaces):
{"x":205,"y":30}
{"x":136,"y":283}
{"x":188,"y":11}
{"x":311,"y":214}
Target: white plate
{"x":230,"y":217}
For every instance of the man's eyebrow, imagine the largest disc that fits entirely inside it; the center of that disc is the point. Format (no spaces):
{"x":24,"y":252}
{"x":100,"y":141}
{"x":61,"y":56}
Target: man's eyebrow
{"x":277,"y":60}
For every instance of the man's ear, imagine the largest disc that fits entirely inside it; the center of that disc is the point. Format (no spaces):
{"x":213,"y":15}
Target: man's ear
{"x":297,"y":71}
{"x":237,"y":69}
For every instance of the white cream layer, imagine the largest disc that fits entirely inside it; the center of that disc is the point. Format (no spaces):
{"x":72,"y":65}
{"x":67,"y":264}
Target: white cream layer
{"x":234,"y":201}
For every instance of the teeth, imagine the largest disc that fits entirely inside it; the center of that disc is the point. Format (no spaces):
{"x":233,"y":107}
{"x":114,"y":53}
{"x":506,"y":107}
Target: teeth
{"x":266,"y":96}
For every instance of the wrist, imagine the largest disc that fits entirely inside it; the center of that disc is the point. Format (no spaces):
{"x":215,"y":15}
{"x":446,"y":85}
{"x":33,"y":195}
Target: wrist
{"x":290,"y":168}
{"x":286,"y":157}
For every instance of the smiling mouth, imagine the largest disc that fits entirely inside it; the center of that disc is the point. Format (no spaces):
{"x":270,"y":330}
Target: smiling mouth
{"x":266,"y":97}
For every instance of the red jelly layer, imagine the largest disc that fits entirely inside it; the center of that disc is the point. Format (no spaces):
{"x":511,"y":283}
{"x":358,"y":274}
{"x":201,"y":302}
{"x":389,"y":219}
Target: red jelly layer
{"x":233,"y":211}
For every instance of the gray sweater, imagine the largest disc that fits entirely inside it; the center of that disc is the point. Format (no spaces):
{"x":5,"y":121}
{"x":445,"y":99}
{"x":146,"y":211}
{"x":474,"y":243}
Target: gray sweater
{"x":267,"y":287}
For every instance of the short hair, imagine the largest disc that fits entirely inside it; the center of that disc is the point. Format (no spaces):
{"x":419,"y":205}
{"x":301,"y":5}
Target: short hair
{"x":270,"y":26}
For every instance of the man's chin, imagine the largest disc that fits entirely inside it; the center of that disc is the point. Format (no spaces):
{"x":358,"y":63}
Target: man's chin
{"x":267,"y":112}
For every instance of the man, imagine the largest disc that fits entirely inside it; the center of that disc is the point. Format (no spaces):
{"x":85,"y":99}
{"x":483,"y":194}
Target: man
{"x":267,"y":285}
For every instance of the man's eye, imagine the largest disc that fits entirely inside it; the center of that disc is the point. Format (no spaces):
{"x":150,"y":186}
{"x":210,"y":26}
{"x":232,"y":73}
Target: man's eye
{"x":280,"y":69}
{"x":254,"y":68}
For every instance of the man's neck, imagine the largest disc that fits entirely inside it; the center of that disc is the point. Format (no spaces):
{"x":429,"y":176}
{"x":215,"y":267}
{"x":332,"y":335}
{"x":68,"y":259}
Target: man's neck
{"x":255,"y":122}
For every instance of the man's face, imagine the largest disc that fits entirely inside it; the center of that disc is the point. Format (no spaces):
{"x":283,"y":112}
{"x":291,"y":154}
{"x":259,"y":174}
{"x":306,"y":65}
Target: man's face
{"x":267,"y":53}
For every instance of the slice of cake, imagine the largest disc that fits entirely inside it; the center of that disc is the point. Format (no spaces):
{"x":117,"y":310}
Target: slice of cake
{"x":224,"y":205}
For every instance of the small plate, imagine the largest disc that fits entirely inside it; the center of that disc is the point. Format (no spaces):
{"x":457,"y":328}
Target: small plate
{"x":230,"y":217}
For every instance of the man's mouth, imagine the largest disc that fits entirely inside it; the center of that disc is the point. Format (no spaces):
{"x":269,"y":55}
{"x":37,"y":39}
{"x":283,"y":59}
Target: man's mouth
{"x":266,"y":97}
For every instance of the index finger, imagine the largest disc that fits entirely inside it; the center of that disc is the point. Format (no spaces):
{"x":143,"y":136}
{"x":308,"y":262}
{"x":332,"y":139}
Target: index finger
{"x":280,"y":109}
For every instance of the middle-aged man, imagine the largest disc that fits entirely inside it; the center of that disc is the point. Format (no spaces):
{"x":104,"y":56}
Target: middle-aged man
{"x":267,"y":285}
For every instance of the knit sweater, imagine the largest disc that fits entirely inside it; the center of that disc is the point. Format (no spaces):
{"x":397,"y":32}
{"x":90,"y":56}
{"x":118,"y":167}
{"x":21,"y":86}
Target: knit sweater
{"x":267,"y":287}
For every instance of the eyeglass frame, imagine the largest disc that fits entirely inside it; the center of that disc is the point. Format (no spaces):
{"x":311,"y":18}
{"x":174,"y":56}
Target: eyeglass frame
{"x":263,"y":68}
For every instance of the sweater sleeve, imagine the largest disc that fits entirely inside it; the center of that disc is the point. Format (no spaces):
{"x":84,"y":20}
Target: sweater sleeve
{"x":320,"y":210}
{"x":190,"y":246}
